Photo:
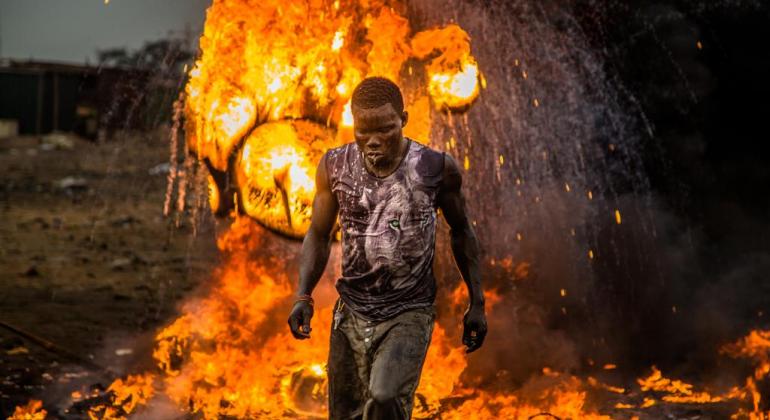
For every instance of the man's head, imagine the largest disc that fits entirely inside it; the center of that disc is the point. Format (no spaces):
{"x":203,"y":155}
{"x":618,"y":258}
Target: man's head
{"x":378,"y":119}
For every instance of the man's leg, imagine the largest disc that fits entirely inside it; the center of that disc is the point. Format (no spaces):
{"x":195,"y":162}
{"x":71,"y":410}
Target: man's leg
{"x":397,"y":364}
{"x":346,"y":387}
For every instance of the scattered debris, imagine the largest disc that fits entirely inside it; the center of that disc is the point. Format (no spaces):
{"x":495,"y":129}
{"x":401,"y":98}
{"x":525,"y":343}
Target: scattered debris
{"x":57,"y":141}
{"x":124,"y":352}
{"x":48,"y":234}
{"x":17,"y":350}
{"x":9,"y":128}
{"x":32,"y":272}
{"x":53,"y":348}
{"x":120,"y":264}
{"x":39,"y":221}
{"x":159,"y":169}
{"x":125,"y":221}
{"x":68,"y":376}
{"x":71,"y":183}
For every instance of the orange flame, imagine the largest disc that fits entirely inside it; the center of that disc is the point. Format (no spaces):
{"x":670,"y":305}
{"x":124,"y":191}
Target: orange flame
{"x":219,"y":360}
{"x":675,"y":390}
{"x":32,"y":411}
{"x":454,"y":75}
{"x":126,"y":396}
{"x":754,"y":346}
{"x":270,"y":63}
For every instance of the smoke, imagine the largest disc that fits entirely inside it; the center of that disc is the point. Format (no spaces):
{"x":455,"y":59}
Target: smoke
{"x":695,"y":72}
{"x":589,"y":160}
{"x":552,"y":145}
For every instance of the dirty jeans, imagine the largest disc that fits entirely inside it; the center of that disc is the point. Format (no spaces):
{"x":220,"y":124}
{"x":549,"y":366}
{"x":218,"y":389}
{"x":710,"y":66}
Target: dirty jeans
{"x":374,"y":367}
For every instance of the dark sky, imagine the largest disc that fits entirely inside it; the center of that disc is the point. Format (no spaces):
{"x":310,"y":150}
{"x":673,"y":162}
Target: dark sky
{"x":72,"y":30}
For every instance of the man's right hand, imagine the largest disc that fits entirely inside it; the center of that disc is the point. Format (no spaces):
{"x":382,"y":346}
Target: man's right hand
{"x":299,"y":319}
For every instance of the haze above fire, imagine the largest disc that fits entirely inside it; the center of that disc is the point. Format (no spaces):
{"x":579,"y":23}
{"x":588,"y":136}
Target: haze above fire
{"x":73,"y":30}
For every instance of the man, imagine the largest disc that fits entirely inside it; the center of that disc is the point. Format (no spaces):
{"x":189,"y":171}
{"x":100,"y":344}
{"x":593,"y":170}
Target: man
{"x":386,"y":189}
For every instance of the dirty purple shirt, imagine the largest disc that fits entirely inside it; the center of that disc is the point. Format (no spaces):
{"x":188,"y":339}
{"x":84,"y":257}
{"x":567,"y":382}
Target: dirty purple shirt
{"x":388,"y":230}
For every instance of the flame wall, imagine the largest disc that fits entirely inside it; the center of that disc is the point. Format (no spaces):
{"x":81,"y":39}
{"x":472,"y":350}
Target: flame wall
{"x":264,"y":65}
{"x":262,"y":68}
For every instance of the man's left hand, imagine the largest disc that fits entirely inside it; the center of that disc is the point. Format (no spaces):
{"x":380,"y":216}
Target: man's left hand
{"x":474,"y":328}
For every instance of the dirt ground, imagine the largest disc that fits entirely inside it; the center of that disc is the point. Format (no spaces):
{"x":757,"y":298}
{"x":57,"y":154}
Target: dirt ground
{"x":88,"y":262}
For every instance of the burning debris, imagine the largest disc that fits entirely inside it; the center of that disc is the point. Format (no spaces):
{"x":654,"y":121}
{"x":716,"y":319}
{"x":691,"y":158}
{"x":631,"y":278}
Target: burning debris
{"x":32,"y":411}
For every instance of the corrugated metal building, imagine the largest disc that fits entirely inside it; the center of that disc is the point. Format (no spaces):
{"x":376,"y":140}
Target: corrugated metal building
{"x":44,"y":97}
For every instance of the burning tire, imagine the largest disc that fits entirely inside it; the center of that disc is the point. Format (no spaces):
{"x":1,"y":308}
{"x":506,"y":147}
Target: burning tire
{"x":275,"y":173}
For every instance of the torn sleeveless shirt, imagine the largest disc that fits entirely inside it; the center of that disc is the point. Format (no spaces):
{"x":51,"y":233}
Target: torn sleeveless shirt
{"x":388,"y":230}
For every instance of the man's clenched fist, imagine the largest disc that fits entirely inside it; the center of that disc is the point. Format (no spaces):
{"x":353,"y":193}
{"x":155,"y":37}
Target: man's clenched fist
{"x":474,"y":328}
{"x":299,"y":319}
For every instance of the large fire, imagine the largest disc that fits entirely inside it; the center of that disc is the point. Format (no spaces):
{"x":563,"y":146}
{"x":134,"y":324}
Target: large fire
{"x":269,"y":94}
{"x":227,"y":356}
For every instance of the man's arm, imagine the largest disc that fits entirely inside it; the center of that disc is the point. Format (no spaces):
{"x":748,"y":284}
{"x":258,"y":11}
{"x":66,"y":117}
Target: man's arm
{"x":315,"y":252}
{"x":466,"y":250}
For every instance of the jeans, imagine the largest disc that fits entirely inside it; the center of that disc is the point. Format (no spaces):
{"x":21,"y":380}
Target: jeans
{"x":374,"y":367}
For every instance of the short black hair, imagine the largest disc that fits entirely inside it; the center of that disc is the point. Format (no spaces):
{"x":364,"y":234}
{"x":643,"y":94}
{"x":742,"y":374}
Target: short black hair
{"x":374,"y":92}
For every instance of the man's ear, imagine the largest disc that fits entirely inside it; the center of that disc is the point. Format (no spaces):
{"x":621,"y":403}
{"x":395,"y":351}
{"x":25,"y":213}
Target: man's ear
{"x":404,"y":118}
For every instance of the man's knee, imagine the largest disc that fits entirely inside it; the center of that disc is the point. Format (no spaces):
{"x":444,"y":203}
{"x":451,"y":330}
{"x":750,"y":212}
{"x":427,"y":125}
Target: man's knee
{"x":383,"y":395}
{"x":383,"y":405}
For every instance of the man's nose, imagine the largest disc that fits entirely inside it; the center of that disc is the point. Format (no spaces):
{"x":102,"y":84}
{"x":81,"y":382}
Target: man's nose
{"x":374,"y":142}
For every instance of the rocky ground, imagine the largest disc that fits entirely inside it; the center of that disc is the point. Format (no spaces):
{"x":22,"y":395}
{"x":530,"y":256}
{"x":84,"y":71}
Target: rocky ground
{"x":89,"y":265}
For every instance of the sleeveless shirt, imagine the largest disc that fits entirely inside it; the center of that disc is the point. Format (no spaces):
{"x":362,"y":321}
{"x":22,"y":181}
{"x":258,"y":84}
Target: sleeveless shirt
{"x":388,"y":229}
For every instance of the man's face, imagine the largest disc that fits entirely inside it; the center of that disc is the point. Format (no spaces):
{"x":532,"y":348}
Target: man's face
{"x":378,"y":133}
